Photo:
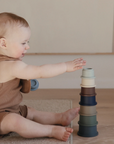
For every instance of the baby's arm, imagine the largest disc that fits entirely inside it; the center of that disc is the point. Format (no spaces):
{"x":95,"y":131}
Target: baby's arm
{"x":21,"y":70}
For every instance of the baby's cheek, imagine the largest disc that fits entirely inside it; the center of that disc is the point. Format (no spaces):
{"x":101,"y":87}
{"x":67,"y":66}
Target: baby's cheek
{"x":18,"y":54}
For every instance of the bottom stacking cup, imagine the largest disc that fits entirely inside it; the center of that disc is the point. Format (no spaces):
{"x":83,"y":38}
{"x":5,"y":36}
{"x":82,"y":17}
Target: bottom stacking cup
{"x":87,"y":131}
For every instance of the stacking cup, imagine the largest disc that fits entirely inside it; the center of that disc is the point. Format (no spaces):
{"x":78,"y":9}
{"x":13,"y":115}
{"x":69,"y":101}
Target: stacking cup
{"x":88,"y":91}
{"x":34,"y":84}
{"x":87,"y":100}
{"x":88,"y":81}
{"x":87,"y":86}
{"x":88,"y":73}
{"x":87,"y":110}
{"x":87,"y":131}
{"x":87,"y":120}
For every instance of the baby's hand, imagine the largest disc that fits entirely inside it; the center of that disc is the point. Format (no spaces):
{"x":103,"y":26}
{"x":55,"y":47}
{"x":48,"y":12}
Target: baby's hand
{"x":75,"y":64}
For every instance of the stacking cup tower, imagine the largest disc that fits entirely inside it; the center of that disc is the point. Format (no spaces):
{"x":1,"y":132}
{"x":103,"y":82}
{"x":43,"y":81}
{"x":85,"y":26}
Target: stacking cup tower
{"x":87,"y":114}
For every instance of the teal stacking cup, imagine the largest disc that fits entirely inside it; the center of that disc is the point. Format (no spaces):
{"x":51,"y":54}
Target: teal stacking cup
{"x":87,"y":120}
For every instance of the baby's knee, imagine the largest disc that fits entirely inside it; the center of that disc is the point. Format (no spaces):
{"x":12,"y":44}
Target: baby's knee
{"x":31,"y":113}
{"x":10,"y":122}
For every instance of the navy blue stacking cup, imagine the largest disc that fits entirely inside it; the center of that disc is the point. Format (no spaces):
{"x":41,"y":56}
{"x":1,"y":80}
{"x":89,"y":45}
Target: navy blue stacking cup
{"x":87,"y":131}
{"x":87,"y":100}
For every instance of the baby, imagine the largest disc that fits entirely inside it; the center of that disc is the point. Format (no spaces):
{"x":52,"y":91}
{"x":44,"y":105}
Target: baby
{"x":26,"y":121}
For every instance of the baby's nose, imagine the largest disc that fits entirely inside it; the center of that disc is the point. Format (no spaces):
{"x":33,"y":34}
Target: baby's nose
{"x":27,"y":47}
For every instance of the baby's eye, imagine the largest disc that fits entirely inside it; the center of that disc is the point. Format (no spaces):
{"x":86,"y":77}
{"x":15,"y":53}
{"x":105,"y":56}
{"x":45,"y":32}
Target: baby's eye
{"x":23,"y":43}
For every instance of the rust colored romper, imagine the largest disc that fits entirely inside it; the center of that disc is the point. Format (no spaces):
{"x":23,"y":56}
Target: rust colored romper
{"x":10,"y":95}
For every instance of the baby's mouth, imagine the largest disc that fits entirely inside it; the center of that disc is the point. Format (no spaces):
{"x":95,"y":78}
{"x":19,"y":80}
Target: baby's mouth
{"x":23,"y":54}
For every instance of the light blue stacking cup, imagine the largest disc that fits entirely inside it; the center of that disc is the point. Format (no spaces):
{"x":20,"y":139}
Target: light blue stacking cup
{"x":88,"y":73}
{"x":34,"y":84}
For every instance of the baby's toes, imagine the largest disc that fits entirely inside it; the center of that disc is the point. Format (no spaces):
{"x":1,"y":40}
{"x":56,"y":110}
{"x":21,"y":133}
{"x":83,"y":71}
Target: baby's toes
{"x":67,"y":133}
{"x":66,"y":136}
{"x":70,"y":130}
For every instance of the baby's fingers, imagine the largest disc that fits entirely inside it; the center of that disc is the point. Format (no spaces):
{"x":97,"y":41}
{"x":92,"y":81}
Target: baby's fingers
{"x":79,"y":60}
{"x":78,"y":67}
{"x":79,"y":63}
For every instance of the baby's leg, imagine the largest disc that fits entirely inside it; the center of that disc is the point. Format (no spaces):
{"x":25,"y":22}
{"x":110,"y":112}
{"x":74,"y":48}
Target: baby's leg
{"x":64,"y":118}
{"x":30,"y":129}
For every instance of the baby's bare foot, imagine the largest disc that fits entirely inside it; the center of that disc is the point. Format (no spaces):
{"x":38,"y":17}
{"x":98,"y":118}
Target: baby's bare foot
{"x":61,"y":133}
{"x":68,"y":116}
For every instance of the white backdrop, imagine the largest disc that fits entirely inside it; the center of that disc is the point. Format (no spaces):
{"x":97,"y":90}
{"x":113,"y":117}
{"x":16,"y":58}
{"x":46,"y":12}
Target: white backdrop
{"x":66,"y":26}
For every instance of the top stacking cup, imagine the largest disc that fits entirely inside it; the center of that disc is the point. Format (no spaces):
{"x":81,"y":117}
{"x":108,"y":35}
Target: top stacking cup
{"x":88,"y":73}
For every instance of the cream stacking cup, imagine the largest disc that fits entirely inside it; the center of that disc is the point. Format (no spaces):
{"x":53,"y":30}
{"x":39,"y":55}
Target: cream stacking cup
{"x":88,"y":82}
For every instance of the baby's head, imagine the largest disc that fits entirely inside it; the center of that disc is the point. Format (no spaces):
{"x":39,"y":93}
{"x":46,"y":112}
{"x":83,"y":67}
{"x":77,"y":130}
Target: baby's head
{"x":14,"y":35}
{"x":9,"y":21}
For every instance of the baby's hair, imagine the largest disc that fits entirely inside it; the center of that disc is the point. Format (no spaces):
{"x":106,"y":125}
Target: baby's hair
{"x":9,"y":19}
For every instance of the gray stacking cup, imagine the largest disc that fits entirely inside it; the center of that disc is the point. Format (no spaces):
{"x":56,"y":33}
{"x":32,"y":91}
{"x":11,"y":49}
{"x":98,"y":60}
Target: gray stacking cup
{"x":88,"y":73}
{"x":87,"y":110}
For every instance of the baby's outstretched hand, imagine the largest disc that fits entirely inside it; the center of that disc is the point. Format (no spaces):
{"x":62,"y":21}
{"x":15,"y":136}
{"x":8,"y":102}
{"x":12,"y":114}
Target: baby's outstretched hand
{"x":75,"y":65}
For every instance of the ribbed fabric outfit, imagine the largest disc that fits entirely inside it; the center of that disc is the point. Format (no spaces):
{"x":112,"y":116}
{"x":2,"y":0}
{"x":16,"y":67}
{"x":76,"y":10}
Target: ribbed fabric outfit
{"x":11,"y":96}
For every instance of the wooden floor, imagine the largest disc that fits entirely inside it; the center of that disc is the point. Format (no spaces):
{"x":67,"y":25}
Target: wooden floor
{"x":105,"y":112}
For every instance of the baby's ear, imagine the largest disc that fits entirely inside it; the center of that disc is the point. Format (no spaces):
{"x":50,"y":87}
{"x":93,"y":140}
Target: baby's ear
{"x":3,"y":43}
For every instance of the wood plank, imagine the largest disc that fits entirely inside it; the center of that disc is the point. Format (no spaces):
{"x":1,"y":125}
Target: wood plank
{"x":68,"y":94}
{"x":70,"y":53}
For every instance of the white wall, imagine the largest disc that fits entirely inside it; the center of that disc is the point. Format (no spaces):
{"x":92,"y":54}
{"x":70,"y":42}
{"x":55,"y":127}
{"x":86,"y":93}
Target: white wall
{"x":103,"y":66}
{"x":66,"y":26}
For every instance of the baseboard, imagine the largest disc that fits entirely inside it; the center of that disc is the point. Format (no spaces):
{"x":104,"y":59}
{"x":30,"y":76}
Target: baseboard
{"x":62,"y":93}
